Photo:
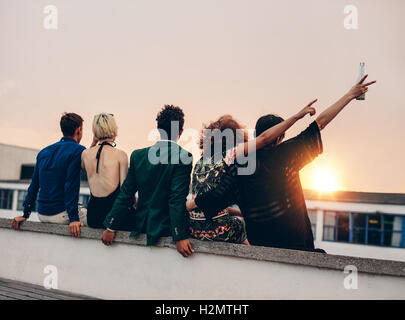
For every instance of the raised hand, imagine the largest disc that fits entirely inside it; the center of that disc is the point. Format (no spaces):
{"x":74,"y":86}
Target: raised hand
{"x":308,"y":109}
{"x":330,"y":113}
{"x":360,"y":88}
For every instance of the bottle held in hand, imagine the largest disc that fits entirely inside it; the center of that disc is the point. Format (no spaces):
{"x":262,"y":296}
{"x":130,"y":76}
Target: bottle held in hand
{"x":361,"y":75}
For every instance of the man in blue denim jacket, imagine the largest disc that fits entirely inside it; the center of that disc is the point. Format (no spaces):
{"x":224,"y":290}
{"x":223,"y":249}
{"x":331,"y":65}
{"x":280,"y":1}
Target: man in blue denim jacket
{"x":56,"y":179}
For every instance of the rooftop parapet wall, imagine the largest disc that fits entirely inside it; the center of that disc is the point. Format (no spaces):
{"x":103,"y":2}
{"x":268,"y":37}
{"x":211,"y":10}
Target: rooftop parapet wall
{"x":319,"y":260}
{"x":215,"y":271}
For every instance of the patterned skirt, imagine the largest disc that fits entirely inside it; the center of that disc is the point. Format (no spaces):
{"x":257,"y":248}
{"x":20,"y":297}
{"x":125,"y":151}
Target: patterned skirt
{"x":225,"y":228}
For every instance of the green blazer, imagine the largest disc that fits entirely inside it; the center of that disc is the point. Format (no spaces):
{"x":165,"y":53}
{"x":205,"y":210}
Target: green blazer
{"x":161,"y":176}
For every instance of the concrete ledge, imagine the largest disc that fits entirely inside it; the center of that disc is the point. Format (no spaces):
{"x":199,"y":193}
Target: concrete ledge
{"x":292,"y":257}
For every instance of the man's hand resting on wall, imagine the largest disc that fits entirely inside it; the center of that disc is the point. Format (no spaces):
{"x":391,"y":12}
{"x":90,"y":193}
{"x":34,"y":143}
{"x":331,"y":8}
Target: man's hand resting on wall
{"x":74,"y":228}
{"x":108,"y":237}
{"x":184,"y":248}
{"x":15,"y":224}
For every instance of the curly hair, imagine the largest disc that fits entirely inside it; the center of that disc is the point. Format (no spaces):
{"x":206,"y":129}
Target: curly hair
{"x":223,"y":123}
{"x":166,"y":116}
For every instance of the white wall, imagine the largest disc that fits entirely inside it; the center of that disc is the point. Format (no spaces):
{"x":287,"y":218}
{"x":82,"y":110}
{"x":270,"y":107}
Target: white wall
{"x":11,"y":159}
{"x":126,"y":271}
{"x":337,"y":248}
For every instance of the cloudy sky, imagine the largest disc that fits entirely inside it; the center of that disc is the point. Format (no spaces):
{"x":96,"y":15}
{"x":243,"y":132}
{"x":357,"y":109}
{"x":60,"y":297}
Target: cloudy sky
{"x":211,"y":57}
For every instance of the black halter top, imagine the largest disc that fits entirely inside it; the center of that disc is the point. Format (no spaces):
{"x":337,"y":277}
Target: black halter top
{"x":99,"y":151}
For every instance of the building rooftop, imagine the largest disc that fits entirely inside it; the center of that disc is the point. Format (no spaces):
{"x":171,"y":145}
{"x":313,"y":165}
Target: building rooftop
{"x":18,"y":147}
{"x":356,"y":197}
{"x":338,"y":196}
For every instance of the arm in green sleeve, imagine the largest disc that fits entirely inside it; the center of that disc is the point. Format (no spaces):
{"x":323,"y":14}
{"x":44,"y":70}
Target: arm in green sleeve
{"x":179,"y":189}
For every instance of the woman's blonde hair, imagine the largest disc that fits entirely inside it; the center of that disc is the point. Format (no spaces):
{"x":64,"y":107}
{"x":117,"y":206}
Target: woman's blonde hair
{"x":104,"y":126}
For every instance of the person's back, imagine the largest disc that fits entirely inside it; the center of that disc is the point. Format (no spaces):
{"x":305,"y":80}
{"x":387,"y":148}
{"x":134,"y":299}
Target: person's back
{"x":108,"y":178}
{"x":272,"y":199}
{"x":56,"y":179}
{"x":157,"y":185}
{"x":161,"y":176}
{"x":54,"y":165}
{"x":208,"y":173}
{"x":106,"y":169}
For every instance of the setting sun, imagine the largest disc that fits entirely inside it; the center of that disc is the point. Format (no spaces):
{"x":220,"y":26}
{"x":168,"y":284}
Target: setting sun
{"x":325,"y":181}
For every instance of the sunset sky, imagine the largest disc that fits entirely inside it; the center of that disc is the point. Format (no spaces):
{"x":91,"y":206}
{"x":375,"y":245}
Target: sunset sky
{"x":211,"y":57}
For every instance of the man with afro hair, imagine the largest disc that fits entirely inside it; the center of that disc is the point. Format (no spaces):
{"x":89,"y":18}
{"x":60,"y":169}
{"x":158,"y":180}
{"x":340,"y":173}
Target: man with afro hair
{"x":161,"y":176}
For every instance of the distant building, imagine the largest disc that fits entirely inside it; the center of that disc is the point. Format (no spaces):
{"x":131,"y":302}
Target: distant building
{"x":16,"y":162}
{"x":361,"y":224}
{"x":16,"y":169}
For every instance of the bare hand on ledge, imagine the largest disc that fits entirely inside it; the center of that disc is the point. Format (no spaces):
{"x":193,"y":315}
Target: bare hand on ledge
{"x":15,"y":224}
{"x":74,"y":228}
{"x":108,"y":237}
{"x":184,"y":247}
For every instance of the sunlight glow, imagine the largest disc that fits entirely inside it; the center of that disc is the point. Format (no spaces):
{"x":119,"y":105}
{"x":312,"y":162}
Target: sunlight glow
{"x":325,"y":181}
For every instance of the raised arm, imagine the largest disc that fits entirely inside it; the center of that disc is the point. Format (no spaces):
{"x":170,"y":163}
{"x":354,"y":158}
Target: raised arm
{"x":274,"y":132}
{"x":330,"y":113}
{"x":214,"y":200}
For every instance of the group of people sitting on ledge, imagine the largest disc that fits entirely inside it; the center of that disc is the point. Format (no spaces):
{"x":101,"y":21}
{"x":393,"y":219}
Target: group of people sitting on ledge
{"x":265,"y":207}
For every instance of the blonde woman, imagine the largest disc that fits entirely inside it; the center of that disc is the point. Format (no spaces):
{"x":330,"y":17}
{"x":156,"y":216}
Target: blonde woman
{"x":106,"y":169}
